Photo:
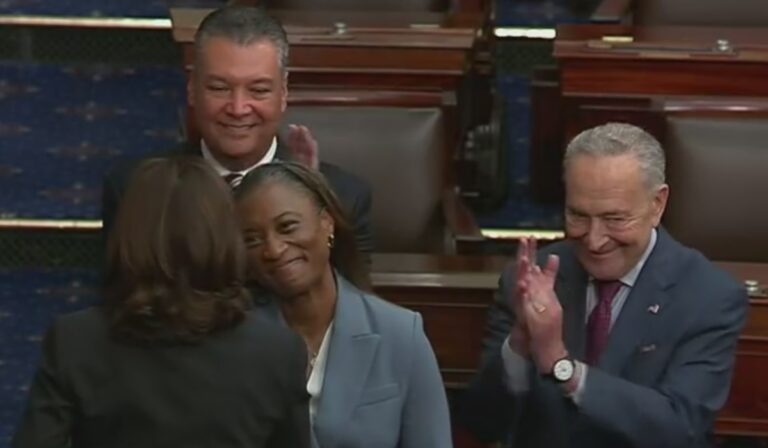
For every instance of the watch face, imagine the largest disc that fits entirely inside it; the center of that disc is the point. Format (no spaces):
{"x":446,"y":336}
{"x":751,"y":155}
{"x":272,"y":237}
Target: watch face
{"x":563,"y":370}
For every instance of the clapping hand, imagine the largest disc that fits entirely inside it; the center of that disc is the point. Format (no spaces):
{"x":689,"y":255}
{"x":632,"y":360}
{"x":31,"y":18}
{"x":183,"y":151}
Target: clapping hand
{"x":303,"y":146}
{"x":540,"y":316}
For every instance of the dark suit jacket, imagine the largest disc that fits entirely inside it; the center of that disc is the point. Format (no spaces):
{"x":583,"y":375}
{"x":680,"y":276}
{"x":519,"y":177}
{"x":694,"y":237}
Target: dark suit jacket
{"x":353,"y":192}
{"x":243,"y":387}
{"x":662,"y":377}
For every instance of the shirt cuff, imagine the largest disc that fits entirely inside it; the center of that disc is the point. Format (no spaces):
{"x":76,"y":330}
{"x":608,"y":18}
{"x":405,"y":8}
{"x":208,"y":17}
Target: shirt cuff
{"x":515,"y":369}
{"x":581,"y":372}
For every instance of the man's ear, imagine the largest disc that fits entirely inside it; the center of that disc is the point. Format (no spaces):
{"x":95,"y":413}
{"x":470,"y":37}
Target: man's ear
{"x":659,"y":203}
{"x":191,"y":89}
{"x":284,"y":100}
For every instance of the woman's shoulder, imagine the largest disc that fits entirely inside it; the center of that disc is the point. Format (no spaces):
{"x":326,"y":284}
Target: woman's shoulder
{"x":266,"y":327}
{"x":388,"y":310}
{"x":84,"y":322}
{"x":389,"y":318}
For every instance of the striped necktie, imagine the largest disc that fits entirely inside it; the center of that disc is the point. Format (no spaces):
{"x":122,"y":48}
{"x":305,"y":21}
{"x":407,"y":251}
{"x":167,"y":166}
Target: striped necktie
{"x":233,"y":179}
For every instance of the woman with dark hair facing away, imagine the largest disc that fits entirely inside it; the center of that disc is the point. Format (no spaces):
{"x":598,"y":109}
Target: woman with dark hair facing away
{"x":372,"y":375}
{"x":173,"y":357}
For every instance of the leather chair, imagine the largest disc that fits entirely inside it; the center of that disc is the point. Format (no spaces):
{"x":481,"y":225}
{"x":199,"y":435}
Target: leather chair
{"x":717,"y":177}
{"x":401,"y":151}
{"x":714,"y":13}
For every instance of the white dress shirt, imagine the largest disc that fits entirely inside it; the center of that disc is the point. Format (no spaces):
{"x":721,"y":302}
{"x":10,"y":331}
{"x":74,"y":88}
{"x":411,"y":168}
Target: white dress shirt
{"x":223,"y":172}
{"x":316,"y":377}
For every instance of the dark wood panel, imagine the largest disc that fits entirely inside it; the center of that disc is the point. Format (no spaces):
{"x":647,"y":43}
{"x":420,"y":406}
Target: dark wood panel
{"x":386,"y":58}
{"x":406,"y":80}
{"x":663,"y":77}
{"x":746,"y":412}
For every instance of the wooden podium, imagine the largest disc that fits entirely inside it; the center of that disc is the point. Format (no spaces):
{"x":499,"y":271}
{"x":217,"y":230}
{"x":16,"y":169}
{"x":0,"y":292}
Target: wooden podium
{"x":617,"y":73}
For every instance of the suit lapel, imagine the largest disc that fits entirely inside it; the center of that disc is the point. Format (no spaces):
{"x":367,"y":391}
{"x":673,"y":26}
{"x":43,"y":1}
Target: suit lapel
{"x":637,"y":320}
{"x":351,"y":352}
{"x":282,"y":153}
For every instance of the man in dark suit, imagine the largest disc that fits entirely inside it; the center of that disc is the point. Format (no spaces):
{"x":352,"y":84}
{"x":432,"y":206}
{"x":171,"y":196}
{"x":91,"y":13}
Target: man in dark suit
{"x":238,"y":90}
{"x":618,"y":336}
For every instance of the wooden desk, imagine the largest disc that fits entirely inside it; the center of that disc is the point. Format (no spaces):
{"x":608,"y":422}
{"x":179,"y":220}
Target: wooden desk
{"x":453,"y":294}
{"x":406,"y":51}
{"x":602,"y":78}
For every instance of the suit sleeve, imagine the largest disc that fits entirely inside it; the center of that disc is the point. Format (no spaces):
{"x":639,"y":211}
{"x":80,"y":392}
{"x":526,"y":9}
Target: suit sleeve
{"x":487,"y":408}
{"x":49,"y":416}
{"x":681,"y":410}
{"x":426,"y":421}
{"x":294,"y":429}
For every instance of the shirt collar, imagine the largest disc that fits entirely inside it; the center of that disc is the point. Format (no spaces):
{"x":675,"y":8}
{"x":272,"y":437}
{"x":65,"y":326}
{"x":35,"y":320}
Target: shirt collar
{"x":222,"y":171}
{"x":630,"y":277}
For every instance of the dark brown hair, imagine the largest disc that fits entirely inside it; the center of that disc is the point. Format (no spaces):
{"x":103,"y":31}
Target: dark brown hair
{"x":176,"y":263}
{"x":345,"y":257}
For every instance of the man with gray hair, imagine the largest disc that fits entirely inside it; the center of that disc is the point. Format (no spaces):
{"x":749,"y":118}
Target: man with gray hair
{"x":618,"y":336}
{"x":238,"y":91}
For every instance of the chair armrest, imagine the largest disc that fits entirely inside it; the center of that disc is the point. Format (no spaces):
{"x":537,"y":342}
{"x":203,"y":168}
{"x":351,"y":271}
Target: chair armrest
{"x":612,"y":11}
{"x":461,"y":225}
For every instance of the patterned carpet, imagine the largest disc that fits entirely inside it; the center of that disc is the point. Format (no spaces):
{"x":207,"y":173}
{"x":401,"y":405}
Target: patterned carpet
{"x":98,"y":8}
{"x":29,"y":299}
{"x":62,"y":127}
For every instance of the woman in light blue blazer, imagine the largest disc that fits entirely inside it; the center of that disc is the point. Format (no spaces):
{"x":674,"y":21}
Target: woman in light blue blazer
{"x":372,"y":377}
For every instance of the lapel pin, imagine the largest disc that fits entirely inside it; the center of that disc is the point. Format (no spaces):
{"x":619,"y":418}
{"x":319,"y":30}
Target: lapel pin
{"x":654,"y":309}
{"x":647,"y":348}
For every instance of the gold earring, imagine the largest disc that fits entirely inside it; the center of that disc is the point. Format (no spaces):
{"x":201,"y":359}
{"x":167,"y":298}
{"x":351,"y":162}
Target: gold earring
{"x":331,"y":240}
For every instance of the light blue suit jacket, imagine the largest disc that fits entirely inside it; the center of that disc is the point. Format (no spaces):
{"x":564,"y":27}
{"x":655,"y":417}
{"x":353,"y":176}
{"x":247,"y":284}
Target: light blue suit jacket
{"x":382,"y":386}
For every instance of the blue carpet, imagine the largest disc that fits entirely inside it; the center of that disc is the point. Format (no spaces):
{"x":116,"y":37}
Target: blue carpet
{"x":536,"y":13}
{"x":62,"y":127}
{"x":29,"y":299}
{"x":99,"y":8}
{"x":519,"y":211}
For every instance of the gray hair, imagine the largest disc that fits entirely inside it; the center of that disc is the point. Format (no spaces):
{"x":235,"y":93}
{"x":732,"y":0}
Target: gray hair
{"x":614,"y":139}
{"x":244,"y":25}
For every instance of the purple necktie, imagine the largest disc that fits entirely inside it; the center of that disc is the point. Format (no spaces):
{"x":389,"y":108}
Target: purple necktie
{"x":599,"y":324}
